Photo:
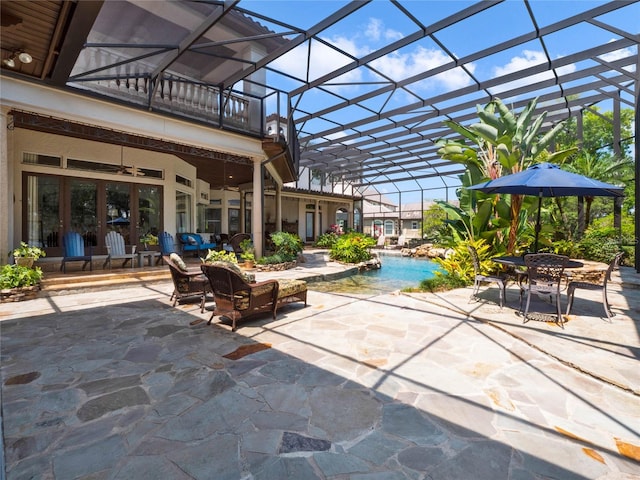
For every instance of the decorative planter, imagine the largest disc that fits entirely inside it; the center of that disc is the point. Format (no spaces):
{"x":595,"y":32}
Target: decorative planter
{"x":249,"y":264}
{"x":24,"y":261}
{"x":19,"y":294}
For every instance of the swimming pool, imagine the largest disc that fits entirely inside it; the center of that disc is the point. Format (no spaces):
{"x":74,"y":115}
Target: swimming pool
{"x":397,"y":272}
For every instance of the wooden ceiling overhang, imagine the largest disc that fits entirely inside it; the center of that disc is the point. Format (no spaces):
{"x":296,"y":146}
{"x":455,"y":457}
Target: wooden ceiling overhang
{"x":219,"y":169}
{"x":279,"y":156}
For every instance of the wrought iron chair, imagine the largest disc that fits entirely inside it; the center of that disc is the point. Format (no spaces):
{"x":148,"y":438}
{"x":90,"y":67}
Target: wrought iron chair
{"x":573,"y":285}
{"x":544,"y":276}
{"x":186,"y":282}
{"x":116,"y":250}
{"x":479,"y":278}
{"x":74,"y":251}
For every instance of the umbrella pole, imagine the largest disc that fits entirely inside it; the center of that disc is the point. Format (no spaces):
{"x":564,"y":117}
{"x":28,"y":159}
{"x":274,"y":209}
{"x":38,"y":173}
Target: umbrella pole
{"x":535,"y":247}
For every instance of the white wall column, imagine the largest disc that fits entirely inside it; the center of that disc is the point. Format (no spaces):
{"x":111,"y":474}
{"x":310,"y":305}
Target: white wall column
{"x":257,"y":227}
{"x":243,"y":212}
{"x":278,"y":208}
{"x":6,"y":188}
{"x":316,"y":220}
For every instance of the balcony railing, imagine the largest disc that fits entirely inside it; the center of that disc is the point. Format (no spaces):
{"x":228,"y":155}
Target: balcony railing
{"x":185,"y":98}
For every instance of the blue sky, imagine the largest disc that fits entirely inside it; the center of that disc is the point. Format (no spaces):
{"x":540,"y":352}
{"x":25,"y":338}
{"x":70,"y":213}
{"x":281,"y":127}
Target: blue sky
{"x":380,"y":22}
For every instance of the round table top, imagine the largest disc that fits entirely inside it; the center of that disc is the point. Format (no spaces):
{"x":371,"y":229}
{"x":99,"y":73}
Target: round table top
{"x":518,"y":261}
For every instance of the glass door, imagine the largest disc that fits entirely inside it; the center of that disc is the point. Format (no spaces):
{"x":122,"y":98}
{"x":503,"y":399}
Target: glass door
{"x":43,"y":217}
{"x":54,"y":205}
{"x":83,"y":211}
{"x":149,"y":212}
{"x":309,"y":225}
{"x":118,"y":210}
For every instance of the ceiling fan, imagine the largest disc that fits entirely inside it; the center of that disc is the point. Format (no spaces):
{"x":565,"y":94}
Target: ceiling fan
{"x":122,"y":169}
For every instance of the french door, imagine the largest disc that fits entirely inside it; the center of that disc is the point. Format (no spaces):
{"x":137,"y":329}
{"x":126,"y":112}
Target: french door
{"x":54,"y":205}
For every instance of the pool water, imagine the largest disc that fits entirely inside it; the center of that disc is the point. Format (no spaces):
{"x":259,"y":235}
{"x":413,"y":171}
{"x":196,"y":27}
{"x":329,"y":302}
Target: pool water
{"x":397,"y":272}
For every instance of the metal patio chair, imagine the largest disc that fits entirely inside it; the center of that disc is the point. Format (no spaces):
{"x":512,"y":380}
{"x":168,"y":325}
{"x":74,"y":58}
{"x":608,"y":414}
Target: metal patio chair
{"x":479,"y":278}
{"x":573,"y":285}
{"x":544,"y":276}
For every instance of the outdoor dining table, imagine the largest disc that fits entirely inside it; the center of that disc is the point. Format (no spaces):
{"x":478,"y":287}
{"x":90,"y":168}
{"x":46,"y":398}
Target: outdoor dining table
{"x":583,"y":270}
{"x":518,"y":261}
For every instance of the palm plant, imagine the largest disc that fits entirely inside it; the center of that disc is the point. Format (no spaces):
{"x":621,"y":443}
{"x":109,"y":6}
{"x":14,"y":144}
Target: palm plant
{"x":609,"y":170}
{"x":502,"y":143}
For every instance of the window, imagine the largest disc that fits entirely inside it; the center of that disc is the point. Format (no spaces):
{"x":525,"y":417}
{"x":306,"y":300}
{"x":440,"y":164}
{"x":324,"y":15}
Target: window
{"x":87,"y":165}
{"x":183,"y":212}
{"x":149,"y":172}
{"x":234,"y":221}
{"x":389,"y":227}
{"x":180,"y":180}
{"x":36,"y":159}
{"x":414,"y":225}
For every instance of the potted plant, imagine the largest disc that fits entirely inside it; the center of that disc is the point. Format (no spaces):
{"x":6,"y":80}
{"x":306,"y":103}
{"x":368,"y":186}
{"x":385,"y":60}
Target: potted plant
{"x":148,"y":239}
{"x":248,"y":253}
{"x":26,"y":254}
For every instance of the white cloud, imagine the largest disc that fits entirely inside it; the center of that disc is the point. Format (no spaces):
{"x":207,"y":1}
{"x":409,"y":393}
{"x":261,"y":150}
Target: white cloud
{"x":618,"y":54}
{"x":325,"y":60}
{"x":399,"y":66}
{"x":528,"y":59}
{"x":375,"y":30}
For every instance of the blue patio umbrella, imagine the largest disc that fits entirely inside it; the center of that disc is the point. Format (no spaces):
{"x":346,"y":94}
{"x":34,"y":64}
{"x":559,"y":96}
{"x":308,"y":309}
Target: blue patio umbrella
{"x":119,"y":221}
{"x":548,"y":180}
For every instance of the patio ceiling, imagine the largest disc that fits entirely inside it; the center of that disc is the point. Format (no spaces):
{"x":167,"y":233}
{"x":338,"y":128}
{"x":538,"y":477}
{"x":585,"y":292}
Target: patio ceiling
{"x":365,"y":111}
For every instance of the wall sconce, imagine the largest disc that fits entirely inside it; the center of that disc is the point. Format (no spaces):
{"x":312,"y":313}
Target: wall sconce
{"x":22,"y":56}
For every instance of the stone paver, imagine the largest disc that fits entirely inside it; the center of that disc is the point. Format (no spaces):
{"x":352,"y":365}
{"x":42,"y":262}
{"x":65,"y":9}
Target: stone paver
{"x":118,"y":384}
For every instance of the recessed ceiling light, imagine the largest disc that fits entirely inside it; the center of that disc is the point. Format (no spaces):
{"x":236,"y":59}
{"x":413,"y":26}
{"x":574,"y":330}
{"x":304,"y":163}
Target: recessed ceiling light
{"x":9,"y":62}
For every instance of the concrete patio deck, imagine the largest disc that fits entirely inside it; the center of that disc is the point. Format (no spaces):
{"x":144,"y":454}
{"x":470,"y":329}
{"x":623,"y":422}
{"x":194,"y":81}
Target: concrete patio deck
{"x":115,"y":383}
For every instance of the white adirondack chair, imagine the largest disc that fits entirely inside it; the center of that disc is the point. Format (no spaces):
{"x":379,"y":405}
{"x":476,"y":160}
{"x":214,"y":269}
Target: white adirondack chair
{"x":116,"y":250}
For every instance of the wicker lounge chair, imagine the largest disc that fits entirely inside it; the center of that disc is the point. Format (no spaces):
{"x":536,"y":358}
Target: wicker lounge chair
{"x":236,"y":298}
{"x":186,"y":282}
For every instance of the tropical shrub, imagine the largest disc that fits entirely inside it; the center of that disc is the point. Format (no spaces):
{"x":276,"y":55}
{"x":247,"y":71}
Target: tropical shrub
{"x":352,"y":248}
{"x":327,"y":240}
{"x":15,"y":276}
{"x":287,"y":246}
{"x":220,"y":256}
{"x":458,"y":266}
{"x":272,"y":259}
{"x":248,"y":251}
{"x":442,"y":282}
{"x":600,"y":244}
{"x":566,"y":247}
